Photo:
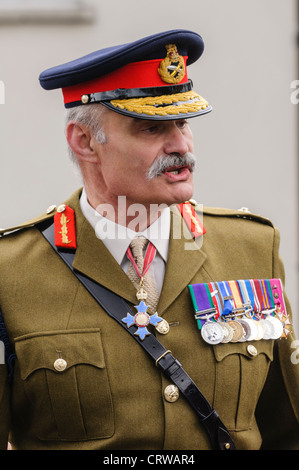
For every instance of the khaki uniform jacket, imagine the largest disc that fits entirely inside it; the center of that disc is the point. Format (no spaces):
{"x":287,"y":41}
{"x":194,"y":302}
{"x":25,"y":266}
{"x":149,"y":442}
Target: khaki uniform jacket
{"x":110,"y":396}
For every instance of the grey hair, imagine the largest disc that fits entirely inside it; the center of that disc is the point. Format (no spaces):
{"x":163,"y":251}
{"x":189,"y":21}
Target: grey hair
{"x":90,"y":115}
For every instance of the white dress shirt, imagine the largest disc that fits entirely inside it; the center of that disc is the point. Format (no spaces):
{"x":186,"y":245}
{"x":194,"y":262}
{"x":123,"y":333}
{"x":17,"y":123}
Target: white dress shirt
{"x":117,"y":238}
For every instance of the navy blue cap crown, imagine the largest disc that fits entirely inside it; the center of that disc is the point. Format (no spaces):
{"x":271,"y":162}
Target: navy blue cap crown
{"x":150,"y":67}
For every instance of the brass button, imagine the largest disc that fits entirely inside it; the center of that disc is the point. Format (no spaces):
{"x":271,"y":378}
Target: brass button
{"x":276,"y":295}
{"x":60,"y":364}
{"x":251,"y":350}
{"x":171,"y":393}
{"x":85,"y":99}
{"x":163,"y":327}
{"x":51,"y":209}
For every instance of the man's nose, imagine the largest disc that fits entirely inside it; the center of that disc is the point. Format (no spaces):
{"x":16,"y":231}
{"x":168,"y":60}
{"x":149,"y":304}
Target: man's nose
{"x":176,"y":142}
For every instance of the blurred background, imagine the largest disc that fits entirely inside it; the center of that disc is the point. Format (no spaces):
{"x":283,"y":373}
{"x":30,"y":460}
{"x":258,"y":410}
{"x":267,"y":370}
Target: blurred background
{"x":247,"y":147}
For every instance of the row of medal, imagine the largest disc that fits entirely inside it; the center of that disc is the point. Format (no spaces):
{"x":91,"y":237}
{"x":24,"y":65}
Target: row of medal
{"x":238,"y":311}
{"x":243,"y":329}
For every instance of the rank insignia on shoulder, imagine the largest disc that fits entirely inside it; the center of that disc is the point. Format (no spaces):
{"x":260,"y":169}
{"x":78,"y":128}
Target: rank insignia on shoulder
{"x":64,"y":226}
{"x":192,"y":219}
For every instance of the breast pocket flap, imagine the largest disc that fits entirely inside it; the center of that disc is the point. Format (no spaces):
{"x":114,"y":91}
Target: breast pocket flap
{"x":59,"y":350}
{"x":249,"y":349}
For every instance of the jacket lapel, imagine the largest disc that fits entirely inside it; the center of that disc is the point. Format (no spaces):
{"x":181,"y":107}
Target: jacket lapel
{"x":185,"y":258}
{"x":94,"y":260}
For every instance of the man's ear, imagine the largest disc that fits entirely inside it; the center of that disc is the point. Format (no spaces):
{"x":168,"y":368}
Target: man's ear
{"x":80,"y":140}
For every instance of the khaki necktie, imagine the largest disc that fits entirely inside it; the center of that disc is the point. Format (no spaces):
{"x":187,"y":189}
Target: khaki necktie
{"x":137,"y":247}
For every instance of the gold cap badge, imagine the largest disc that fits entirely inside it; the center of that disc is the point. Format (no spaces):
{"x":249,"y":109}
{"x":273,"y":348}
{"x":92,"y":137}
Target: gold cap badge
{"x":172,"y":69}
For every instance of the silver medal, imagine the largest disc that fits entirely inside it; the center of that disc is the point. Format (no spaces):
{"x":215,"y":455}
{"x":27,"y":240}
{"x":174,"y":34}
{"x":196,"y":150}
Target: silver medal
{"x":278,"y":327}
{"x":212,"y":333}
{"x":228,"y":332}
{"x":260,"y":331}
{"x":250,"y":329}
{"x":268,"y":328}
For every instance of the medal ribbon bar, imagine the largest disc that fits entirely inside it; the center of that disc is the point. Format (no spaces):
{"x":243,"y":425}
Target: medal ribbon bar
{"x":256,"y":304}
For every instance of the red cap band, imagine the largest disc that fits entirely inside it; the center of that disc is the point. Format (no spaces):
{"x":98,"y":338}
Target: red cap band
{"x":135,"y":75}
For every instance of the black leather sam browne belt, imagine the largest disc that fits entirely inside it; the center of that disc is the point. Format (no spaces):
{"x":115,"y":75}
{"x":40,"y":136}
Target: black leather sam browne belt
{"x":117,"y":308}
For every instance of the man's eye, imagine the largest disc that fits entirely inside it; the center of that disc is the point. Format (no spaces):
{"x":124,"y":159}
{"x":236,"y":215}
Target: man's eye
{"x":151,"y":129}
{"x":182,"y":124}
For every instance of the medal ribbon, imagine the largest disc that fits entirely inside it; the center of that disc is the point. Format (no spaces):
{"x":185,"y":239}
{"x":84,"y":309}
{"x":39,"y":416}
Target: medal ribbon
{"x":215,"y":298}
{"x":259,"y":295}
{"x":202,"y":301}
{"x":148,"y":259}
{"x":269,"y":291}
{"x":247,"y":295}
{"x":276,"y":287}
{"x":224,"y":297}
{"x":256,"y":305}
{"x":228,"y":304}
{"x":265,"y":300}
{"x":243,"y":292}
{"x":236,"y":294}
{"x":219,"y":298}
{"x":250,"y":292}
{"x":268,"y":294}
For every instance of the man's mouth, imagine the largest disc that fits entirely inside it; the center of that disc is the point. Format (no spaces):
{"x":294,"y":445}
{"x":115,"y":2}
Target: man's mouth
{"x":177,"y":173}
{"x":176,"y":170}
{"x":172,"y":166}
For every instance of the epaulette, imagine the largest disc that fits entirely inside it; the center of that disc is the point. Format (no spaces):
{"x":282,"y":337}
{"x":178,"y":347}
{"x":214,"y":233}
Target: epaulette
{"x":194,"y":213}
{"x":30,"y":223}
{"x":242,"y":213}
{"x":64,"y":225}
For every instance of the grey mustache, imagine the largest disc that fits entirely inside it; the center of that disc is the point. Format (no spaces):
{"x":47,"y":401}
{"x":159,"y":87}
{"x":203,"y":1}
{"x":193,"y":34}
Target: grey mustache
{"x":166,"y":161}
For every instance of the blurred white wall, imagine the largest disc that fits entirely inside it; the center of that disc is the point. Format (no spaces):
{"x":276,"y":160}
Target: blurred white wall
{"x":247,"y":147}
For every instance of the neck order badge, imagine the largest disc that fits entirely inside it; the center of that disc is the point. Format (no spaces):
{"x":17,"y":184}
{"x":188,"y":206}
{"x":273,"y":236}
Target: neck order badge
{"x":142,"y":319}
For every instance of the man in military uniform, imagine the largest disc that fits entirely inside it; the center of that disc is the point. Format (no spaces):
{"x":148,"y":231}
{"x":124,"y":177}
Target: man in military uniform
{"x":74,"y":377}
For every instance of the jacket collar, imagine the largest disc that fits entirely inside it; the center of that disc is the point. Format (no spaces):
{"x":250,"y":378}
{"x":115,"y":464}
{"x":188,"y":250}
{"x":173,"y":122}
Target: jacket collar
{"x":93,"y":259}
